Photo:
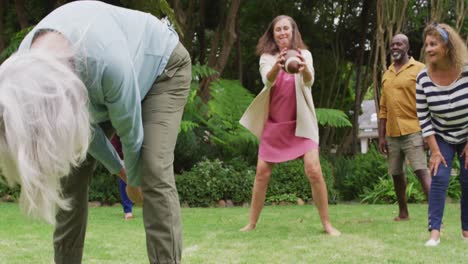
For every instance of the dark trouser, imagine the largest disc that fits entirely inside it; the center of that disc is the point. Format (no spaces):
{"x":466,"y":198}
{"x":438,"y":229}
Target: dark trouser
{"x":440,"y":184}
{"x":126,"y":202}
{"x":162,"y":110}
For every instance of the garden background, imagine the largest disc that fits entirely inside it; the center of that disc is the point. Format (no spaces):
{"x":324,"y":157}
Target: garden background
{"x":215,"y":157}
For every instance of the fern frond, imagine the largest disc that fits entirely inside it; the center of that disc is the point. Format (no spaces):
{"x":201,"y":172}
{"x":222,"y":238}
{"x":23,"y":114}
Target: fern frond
{"x":332,"y":117}
{"x":186,"y":126}
{"x":229,"y":99}
{"x":14,"y":43}
{"x":202,"y":71}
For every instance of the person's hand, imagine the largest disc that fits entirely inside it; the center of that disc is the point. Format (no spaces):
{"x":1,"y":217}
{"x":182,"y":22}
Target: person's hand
{"x":302,"y":64}
{"x":434,"y":162}
{"x":123,"y":175}
{"x":464,"y":153}
{"x":134,"y":194}
{"x":281,"y":60}
{"x":383,"y":145}
{"x":426,"y":146}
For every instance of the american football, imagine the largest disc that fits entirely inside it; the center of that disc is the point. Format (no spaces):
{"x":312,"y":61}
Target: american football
{"x":292,"y":62}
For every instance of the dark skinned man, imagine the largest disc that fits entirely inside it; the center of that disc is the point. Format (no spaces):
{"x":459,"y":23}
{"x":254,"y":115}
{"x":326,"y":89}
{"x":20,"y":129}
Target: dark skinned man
{"x":399,"y":131}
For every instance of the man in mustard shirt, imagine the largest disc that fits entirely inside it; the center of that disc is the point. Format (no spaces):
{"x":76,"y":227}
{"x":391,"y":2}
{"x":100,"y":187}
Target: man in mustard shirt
{"x":399,"y":131}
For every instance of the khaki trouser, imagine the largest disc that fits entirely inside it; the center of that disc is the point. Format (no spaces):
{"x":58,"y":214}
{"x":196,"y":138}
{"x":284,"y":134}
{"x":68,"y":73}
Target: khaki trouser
{"x":408,"y":147}
{"x":162,"y":110}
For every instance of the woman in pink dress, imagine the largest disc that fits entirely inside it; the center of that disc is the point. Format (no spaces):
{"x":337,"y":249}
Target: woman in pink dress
{"x":283,"y":117}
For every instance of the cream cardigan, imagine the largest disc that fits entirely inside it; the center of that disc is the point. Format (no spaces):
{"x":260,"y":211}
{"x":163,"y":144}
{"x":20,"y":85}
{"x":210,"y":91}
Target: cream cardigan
{"x":256,"y":114}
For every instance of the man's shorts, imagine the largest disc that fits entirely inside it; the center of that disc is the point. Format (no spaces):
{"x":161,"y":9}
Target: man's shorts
{"x":410,"y":147}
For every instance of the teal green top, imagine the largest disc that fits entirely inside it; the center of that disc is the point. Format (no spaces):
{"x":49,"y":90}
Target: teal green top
{"x":121,"y":52}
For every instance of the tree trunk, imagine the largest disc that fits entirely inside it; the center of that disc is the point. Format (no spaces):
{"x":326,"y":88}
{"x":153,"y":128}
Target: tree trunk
{"x":218,"y":58}
{"x":186,"y":19}
{"x":346,"y":144}
{"x":2,"y":14}
{"x":60,"y":3}
{"x":387,"y":24}
{"x":360,"y":61}
{"x":461,"y":10}
{"x":180,"y":14}
{"x":201,"y":32}
{"x":438,"y":10}
{"x":239,"y":54}
{"x":21,"y":13}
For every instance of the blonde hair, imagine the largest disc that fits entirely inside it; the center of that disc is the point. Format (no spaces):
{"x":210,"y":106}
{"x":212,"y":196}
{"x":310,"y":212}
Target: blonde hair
{"x":457,"y":52}
{"x":44,"y":128}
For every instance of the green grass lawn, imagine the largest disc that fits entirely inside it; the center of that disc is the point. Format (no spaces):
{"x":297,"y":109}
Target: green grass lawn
{"x":285,"y":234}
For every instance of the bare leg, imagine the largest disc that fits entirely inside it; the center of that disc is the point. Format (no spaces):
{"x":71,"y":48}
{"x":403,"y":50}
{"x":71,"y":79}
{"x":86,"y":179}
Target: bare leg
{"x":465,"y":234}
{"x":435,"y":234}
{"x":259,"y":192}
{"x":313,"y":171}
{"x":399,"y":183}
{"x":425,"y":180}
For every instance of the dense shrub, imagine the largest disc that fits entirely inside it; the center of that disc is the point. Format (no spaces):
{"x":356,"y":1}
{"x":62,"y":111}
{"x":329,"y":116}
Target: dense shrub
{"x":192,"y":147}
{"x":212,"y":180}
{"x":384,"y":192}
{"x":342,"y":171}
{"x":327,"y":170}
{"x":241,"y":181}
{"x":5,"y":190}
{"x":104,"y":186}
{"x":217,"y":120}
{"x":187,"y":145}
{"x":354,"y":175}
{"x":365,"y":177}
{"x":454,"y":188}
{"x":289,"y":178}
{"x":288,"y":198}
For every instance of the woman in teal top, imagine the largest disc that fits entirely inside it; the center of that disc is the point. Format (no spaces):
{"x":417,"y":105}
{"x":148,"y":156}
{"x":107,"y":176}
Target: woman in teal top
{"x":86,"y":70}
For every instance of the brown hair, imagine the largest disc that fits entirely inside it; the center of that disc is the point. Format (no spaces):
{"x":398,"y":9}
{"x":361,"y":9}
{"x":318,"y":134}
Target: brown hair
{"x":267,"y":44}
{"x":456,"y":48}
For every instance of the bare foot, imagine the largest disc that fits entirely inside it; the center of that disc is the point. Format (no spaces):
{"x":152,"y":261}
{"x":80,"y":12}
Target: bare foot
{"x":248,"y":227}
{"x":465,"y":235}
{"x":401,"y":218}
{"x":128,"y":216}
{"x":331,"y":231}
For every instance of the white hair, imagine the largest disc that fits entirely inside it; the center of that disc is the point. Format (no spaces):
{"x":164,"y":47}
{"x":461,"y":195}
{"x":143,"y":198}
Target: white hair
{"x":44,"y":128}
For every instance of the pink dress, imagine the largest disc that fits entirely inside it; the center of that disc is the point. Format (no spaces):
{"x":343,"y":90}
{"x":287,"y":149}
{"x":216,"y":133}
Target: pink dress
{"x":279,"y":142}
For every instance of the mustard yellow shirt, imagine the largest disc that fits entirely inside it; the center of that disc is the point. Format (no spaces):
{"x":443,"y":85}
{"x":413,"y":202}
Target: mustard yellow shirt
{"x":398,"y":101}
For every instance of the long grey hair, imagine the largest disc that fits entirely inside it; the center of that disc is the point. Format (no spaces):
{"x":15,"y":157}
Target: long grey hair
{"x":44,"y":128}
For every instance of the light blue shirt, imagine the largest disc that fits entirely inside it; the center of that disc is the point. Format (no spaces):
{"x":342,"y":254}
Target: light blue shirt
{"x":121,"y":52}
